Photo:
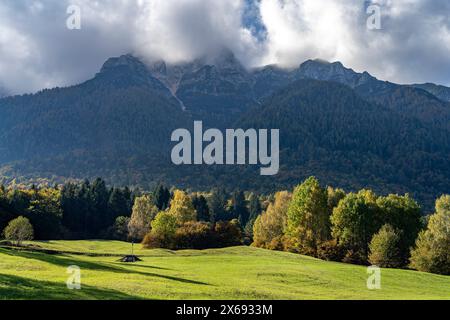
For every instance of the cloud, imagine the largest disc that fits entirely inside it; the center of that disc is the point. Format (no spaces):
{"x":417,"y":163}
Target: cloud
{"x":182,"y":30}
{"x":413,"y":44}
{"x":37,"y":50}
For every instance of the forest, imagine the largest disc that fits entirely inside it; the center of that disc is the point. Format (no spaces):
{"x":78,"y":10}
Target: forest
{"x":323,"y":222}
{"x":350,"y":130}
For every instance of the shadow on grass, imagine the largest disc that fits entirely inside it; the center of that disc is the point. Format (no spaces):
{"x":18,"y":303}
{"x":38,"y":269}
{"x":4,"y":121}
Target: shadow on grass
{"x":137,"y":265}
{"x":66,"y":261}
{"x":19,"y":288}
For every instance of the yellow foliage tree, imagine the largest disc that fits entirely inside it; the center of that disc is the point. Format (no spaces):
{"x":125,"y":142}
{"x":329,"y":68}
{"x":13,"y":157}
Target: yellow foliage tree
{"x":181,"y":207}
{"x":269,"y":228}
{"x":144,"y":211}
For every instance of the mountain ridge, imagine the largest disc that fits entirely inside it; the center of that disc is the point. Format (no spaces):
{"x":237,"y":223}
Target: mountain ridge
{"x":350,"y":129}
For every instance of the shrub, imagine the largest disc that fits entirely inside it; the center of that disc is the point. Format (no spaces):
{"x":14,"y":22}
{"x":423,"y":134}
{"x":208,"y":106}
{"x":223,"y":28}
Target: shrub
{"x":19,"y":230}
{"x":227,"y":234}
{"x":276,"y":244}
{"x":193,"y":235}
{"x":384,"y":248}
{"x":330,"y":251}
{"x":355,"y":256}
{"x":155,"y":240}
{"x":162,"y":234}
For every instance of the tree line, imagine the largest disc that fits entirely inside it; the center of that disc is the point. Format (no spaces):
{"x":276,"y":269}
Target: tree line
{"x":361,"y":228}
{"x":327,"y":223}
{"x":92,"y":210}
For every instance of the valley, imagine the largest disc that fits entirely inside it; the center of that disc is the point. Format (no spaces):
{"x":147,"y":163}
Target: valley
{"x":349,"y":129}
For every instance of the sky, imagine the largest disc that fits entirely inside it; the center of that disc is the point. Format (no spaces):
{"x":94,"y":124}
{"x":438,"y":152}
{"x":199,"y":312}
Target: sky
{"x":37,"y":50}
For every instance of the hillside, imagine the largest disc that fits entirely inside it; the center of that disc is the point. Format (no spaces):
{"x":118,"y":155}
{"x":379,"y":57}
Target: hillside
{"x":233,"y":273}
{"x":330,"y":131}
{"x":119,"y":119}
{"x":441,"y":92}
{"x":351,"y":130}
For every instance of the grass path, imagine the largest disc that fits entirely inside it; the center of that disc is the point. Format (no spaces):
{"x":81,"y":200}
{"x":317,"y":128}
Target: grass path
{"x":232,"y":273}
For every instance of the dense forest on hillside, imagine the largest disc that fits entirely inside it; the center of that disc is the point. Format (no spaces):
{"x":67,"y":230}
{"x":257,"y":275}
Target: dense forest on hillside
{"x":349,"y":129}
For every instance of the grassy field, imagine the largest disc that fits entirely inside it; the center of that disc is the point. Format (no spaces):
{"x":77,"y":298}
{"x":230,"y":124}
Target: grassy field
{"x":232,"y":273}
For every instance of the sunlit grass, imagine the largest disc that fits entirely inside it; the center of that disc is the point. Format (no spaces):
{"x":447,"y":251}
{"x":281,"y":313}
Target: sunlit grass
{"x":232,"y":273}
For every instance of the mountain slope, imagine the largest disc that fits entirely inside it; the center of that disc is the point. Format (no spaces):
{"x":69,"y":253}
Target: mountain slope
{"x":441,"y":92}
{"x":122,"y":113}
{"x":214,"y":91}
{"x":328,"y":130}
{"x":408,"y":100}
{"x":219,"y":91}
{"x":349,"y":129}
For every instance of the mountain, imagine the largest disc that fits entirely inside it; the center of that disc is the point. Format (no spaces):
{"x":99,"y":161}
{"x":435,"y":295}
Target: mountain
{"x":349,"y":129}
{"x":336,"y":72}
{"x":269,"y":79}
{"x":122,"y":115}
{"x":441,"y":92}
{"x":409,"y":100}
{"x":328,"y":130}
{"x":219,"y":91}
{"x":214,"y":91}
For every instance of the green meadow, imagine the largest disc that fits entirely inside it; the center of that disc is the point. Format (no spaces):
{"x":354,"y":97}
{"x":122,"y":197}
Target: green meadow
{"x":232,"y":273}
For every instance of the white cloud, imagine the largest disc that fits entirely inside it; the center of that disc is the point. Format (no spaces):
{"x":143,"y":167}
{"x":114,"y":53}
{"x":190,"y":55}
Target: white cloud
{"x":181,"y":30}
{"x":300,"y":30}
{"x":412,"y":46}
{"x":37,"y":50}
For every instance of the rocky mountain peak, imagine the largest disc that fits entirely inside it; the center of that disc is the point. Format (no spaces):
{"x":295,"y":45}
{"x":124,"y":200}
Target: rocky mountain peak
{"x":127,"y":61}
{"x":332,"y":71}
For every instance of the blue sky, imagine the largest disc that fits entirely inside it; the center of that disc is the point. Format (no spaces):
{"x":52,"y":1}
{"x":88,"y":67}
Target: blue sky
{"x":251,"y":19}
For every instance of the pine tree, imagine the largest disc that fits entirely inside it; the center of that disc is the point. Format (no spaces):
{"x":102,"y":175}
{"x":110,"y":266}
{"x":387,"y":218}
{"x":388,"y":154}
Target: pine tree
{"x":218,"y":205}
{"x":161,"y":197}
{"x":201,"y":207}
{"x":240,"y":210}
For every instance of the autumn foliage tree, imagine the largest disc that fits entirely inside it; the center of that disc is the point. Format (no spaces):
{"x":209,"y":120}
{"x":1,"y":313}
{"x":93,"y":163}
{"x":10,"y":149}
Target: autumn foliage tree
{"x":181,"y":208}
{"x":163,"y":229}
{"x":269,"y":228}
{"x":144,"y":211}
{"x":308,"y":221}
{"x":432,"y":252}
